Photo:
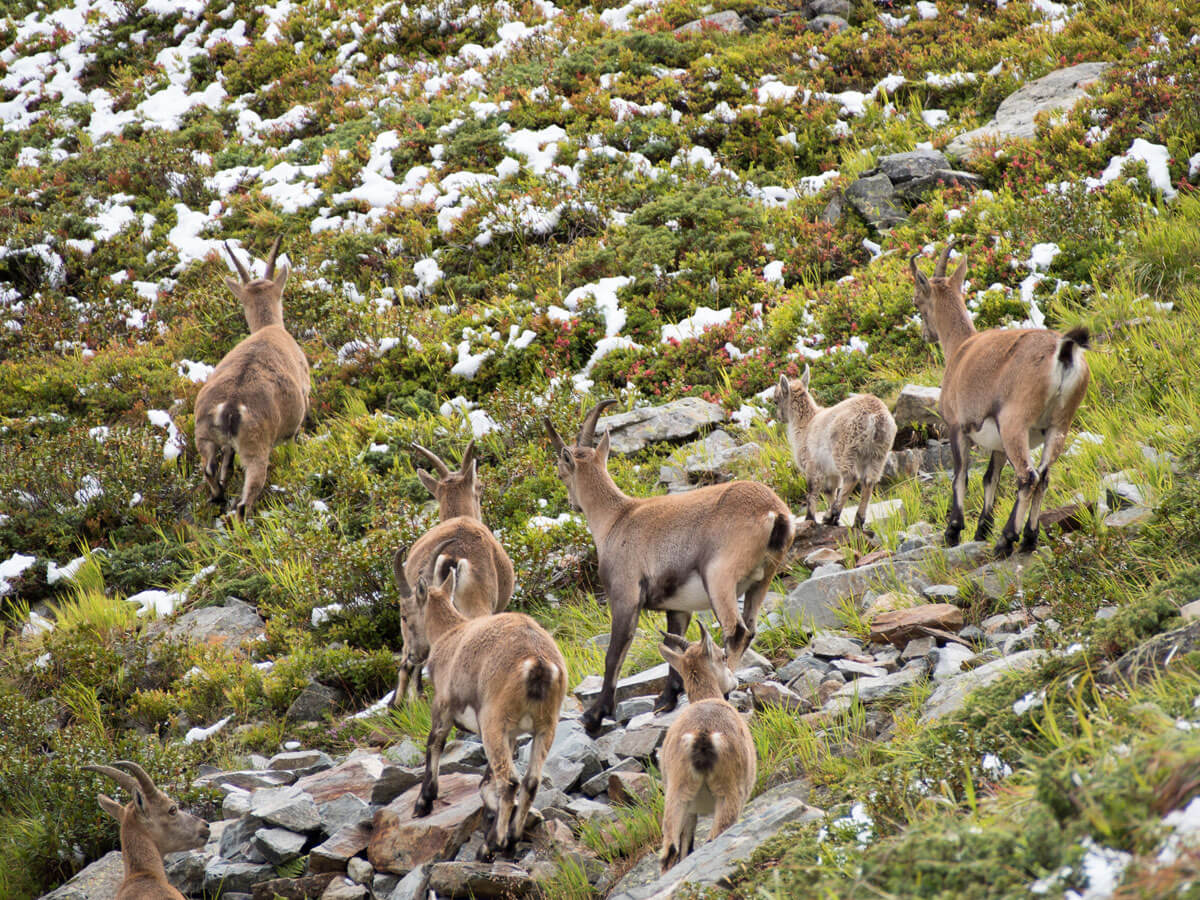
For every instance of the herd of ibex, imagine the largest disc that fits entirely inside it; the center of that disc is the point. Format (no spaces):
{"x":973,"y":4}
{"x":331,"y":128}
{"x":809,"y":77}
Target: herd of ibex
{"x":501,"y":675}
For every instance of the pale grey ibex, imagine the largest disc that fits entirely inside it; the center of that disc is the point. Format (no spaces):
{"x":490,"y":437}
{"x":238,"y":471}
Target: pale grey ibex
{"x":836,"y":447}
{"x":1007,"y":390}
{"x":708,"y":759}
{"x":257,"y":396}
{"x":499,"y":676}
{"x":680,"y":553}
{"x":484,"y":586}
{"x":152,"y":824}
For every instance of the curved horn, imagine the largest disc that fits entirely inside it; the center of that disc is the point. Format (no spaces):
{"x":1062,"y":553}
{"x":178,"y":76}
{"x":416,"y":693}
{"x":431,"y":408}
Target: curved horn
{"x":237,"y":263}
{"x":119,"y":777}
{"x":555,"y":438}
{"x":918,"y":276}
{"x":940,"y":271}
{"x":674,"y":641}
{"x":271,"y":258}
{"x":587,"y":434}
{"x":468,"y":458}
{"x":442,"y":468}
{"x":398,"y":571}
{"x":146,"y":782}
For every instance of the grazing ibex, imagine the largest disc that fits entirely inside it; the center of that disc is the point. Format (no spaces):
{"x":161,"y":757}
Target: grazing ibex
{"x":484,"y":586}
{"x":836,"y":447}
{"x":708,"y":759}
{"x":1007,"y":390}
{"x":257,"y":396}
{"x":151,"y":825}
{"x":680,"y":553}
{"x":499,"y":676}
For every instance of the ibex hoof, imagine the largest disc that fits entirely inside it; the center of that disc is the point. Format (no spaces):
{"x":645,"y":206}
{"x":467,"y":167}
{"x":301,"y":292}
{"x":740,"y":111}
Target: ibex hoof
{"x":666,"y":701}
{"x":422,"y":807}
{"x":1004,"y":549}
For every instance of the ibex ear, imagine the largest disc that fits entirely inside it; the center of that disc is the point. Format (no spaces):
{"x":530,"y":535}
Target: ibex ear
{"x":139,"y":801}
{"x":710,"y":649}
{"x":431,"y":483}
{"x":673,"y":657}
{"x":110,"y":806}
{"x":805,"y":377}
{"x":448,"y":584}
{"x":960,"y":275}
{"x":422,"y":591}
{"x":282,"y":276}
{"x":602,"y":447}
{"x":234,"y":285}
{"x":785,"y":389}
{"x":567,"y":459}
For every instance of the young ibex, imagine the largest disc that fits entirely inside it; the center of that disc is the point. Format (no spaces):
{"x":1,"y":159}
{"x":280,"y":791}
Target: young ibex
{"x":499,"y":676}
{"x":151,"y":826}
{"x":680,"y":553}
{"x":485,"y":585}
{"x":708,"y":760}
{"x":257,"y":396}
{"x":836,"y":447}
{"x":1007,"y":390}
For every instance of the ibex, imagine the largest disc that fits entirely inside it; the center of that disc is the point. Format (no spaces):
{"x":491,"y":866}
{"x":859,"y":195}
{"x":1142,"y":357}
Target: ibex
{"x":680,"y":553}
{"x":257,"y":396}
{"x":836,"y":447}
{"x":1007,"y":390}
{"x":484,"y":586}
{"x":499,"y":676}
{"x":151,"y":825}
{"x":708,"y":759}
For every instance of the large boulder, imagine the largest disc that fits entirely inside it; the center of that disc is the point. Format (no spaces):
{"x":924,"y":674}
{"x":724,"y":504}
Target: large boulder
{"x":400,"y":842}
{"x":99,"y":880}
{"x":951,"y":695}
{"x":727,"y":21}
{"x":632,"y":431}
{"x":1060,"y":90}
{"x":233,"y":625}
{"x":872,"y":197}
{"x":902,"y":167}
{"x":917,"y":406}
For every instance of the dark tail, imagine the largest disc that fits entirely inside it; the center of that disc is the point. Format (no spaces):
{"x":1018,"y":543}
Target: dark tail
{"x":230,"y":418}
{"x":704,"y":752}
{"x":539,"y":680}
{"x":1066,"y":348}
{"x":781,"y":533}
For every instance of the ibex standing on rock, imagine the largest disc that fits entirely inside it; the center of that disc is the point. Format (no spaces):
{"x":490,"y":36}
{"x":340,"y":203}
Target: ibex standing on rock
{"x":708,"y":759}
{"x":151,"y":825}
{"x":257,"y":396}
{"x":499,"y":676}
{"x":681,"y":553}
{"x":1007,"y":390}
{"x":836,"y":447}
{"x":485,"y":573}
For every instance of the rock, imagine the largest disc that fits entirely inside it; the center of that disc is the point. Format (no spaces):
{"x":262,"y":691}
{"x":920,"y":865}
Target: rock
{"x":292,"y":888}
{"x":287,"y":807}
{"x":868,"y":690}
{"x":876,"y":512}
{"x":236,"y":803}
{"x":584,"y":810}
{"x":345,"y":810}
{"x":344,"y":889}
{"x":302,"y":762}
{"x":405,"y":753}
{"x":918,"y":648}
{"x":822,"y":24}
{"x":917,"y":405}
{"x":573,"y":757}
{"x":237,"y":840}
{"x":772,"y":693}
{"x":247,"y":781}
{"x":400,"y":843}
{"x":185,"y":870}
{"x":854,"y":669}
{"x":629,"y":787}
{"x":652,"y":719}
{"x":1189,"y":611}
{"x":713,"y":862}
{"x":951,"y":695}
{"x":1022,"y":640}
{"x":278,"y":845}
{"x":899,"y":626}
{"x":888,"y":602}
{"x":875,"y":555}
{"x":233,"y":625}
{"x":598,"y":784}
{"x":1003,"y":622}
{"x":651,"y":681}
{"x":1060,"y":90}
{"x":478,"y":879}
{"x":222,"y":877}
{"x":727,"y":21}
{"x":463,"y":756}
{"x":814,"y":8}
{"x":1131,"y":517}
{"x":359,"y":871}
{"x":902,"y":167}
{"x":393,"y":782}
{"x":358,"y":775}
{"x":872,"y":197}
{"x":314,"y":703}
{"x":101,"y":879}
{"x":916,"y":190}
{"x":640,"y":743}
{"x":810,"y":536}
{"x":822,"y":556}
{"x":827,"y":569}
{"x":335,"y":852}
{"x":831,"y":645}
{"x":634,"y":706}
{"x":832,"y":213}
{"x":632,"y":431}
{"x":413,"y":886}
{"x":950,"y":660}
{"x":750,"y":674}
{"x":940,"y":593}
{"x":1151,"y":656}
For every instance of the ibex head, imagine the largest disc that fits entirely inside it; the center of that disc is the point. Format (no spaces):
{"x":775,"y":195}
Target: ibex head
{"x":939,"y":291}
{"x":458,"y":492}
{"x":703,"y":666}
{"x":159,"y":816}
{"x":585,"y":456}
{"x":413,"y":630}
{"x":790,"y":389}
{"x":261,"y":297}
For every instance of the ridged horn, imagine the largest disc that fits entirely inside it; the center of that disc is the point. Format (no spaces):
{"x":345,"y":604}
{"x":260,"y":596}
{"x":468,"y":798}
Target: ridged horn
{"x":434,"y":459}
{"x":119,"y":777}
{"x":237,"y":263}
{"x":587,"y":434}
{"x":940,"y":271}
{"x":143,"y":779}
{"x":468,"y":458}
{"x":271,"y":259}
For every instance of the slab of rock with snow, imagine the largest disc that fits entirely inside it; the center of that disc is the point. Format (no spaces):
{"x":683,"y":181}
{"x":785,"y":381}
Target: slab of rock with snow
{"x":951,"y":695}
{"x":634,"y":430}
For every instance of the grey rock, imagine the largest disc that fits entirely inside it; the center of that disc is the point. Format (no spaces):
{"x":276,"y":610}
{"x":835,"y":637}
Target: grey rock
{"x":824,"y":571}
{"x":383,"y":884}
{"x":344,"y":889}
{"x":100,"y":879}
{"x":1060,"y":90}
{"x":807,"y":684}
{"x":1106,"y":612}
{"x":814,"y":8}
{"x":875,"y":512}
{"x":834,"y":645}
{"x":950,"y":660}
{"x":598,"y":784}
{"x":395,"y":780}
{"x":235,"y":804}
{"x":585,"y":810}
{"x":185,"y":870}
{"x":868,"y":690}
{"x":224,"y":877}
{"x":834,"y":209}
{"x":800,"y":664}
{"x":1003,"y":622}
{"x":821,"y":24}
{"x":634,"y":706}
{"x":919,"y":188}
{"x":918,"y":648}
{"x":902,"y":167}
{"x":287,"y":807}
{"x":822,"y":556}
{"x":463,"y":756}
{"x":1133,"y":517}
{"x":405,"y":753}
{"x":278,"y":845}
{"x":413,"y":886}
{"x":751,"y":675}
{"x":641,"y":743}
{"x":727,"y":20}
{"x":951,"y":695}
{"x":710,"y":459}
{"x":912,"y":544}
{"x":713,"y":862}
{"x":658,"y":720}
{"x":302,"y":762}
{"x":247,"y":780}
{"x":232,"y":625}
{"x":314,"y":703}
{"x":918,"y":405}
{"x":872,"y":198}
{"x":632,"y":431}
{"x":349,"y":810}
{"x":651,"y":681}
{"x":573,"y":757}
{"x":941,"y":593}
{"x":1022,"y":640}
{"x":237,"y":840}
{"x":853,"y":669}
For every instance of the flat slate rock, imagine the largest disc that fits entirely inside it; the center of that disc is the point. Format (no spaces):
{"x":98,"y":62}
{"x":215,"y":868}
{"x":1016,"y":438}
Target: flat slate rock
{"x":478,"y":879}
{"x":951,"y":695}
{"x":918,"y":405}
{"x":634,"y":430}
{"x":640,"y":684}
{"x":899,"y":626}
{"x":357,"y":776}
{"x":400,"y":842}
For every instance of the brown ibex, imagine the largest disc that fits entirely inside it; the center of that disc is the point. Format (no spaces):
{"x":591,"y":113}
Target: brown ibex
{"x":836,"y":447}
{"x":1007,"y":390}
{"x":499,"y":676}
{"x":680,"y":553}
{"x":152,"y":825}
{"x":708,"y":759}
{"x":484,"y":586}
{"x":257,"y":396}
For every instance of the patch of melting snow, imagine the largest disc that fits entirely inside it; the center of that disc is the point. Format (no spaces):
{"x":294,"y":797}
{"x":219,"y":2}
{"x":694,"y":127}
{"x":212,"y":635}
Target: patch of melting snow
{"x":377,"y":707}
{"x":995,"y":767}
{"x":56,"y":573}
{"x":322,"y":614}
{"x":1185,"y":832}
{"x":36,"y":625}
{"x":162,"y":602}
{"x":195,"y":372}
{"x":1028,"y":702}
{"x":549,"y":523}
{"x":195,"y":735}
{"x":14,"y":567}
{"x":173,"y":445}
{"x":89,"y":489}
{"x":696,"y":324}
{"x":1155,"y":156}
